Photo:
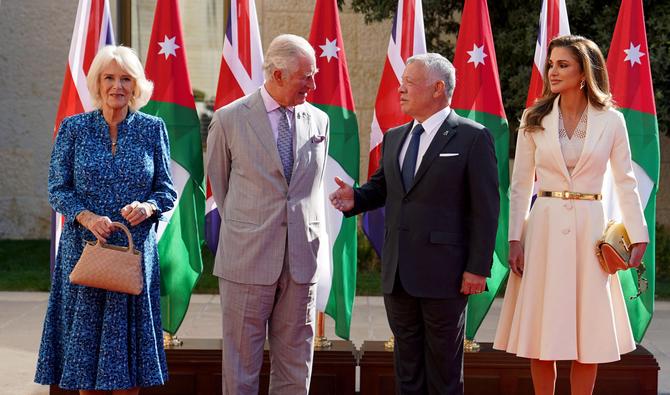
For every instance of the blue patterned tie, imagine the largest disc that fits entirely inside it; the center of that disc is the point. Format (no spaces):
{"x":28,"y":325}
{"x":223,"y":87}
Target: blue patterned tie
{"x":409,"y":163}
{"x":285,"y":144}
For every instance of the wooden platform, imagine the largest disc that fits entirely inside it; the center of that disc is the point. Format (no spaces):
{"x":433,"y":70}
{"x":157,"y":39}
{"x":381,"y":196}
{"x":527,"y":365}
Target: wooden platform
{"x":195,"y":369}
{"x":493,"y":372}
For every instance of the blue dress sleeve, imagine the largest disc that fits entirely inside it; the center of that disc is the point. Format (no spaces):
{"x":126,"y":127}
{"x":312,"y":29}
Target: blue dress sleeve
{"x":163,"y":194}
{"x":62,"y":195}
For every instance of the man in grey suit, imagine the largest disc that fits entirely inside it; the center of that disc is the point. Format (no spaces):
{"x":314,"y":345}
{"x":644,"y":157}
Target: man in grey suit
{"x":266,"y":154}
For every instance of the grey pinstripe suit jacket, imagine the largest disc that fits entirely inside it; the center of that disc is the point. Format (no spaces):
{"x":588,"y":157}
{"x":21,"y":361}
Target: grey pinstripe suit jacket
{"x":258,"y":209}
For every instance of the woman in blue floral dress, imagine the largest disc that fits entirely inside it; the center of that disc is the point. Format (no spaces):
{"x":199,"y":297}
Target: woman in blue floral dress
{"x":111,"y":164}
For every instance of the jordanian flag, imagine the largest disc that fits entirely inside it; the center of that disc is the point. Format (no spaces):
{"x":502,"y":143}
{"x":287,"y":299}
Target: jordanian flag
{"x":633,"y":91}
{"x":477,"y":96}
{"x":180,"y":238}
{"x":337,"y":272}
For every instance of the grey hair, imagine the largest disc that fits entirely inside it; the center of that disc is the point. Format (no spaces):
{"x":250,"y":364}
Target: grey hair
{"x":127,"y":59}
{"x":284,"y":52}
{"x":439,"y":69}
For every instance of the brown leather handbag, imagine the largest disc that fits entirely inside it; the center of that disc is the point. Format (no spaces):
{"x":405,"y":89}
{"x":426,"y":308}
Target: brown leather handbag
{"x":110,"y":267}
{"x":613,"y":251}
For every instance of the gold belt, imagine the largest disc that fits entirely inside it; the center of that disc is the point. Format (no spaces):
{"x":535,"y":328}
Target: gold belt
{"x":571,"y":195}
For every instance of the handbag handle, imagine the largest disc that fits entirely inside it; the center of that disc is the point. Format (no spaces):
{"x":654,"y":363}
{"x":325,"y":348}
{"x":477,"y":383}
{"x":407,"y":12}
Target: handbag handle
{"x":119,"y":225}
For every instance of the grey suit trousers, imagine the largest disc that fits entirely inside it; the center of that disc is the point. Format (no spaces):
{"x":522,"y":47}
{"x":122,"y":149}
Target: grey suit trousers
{"x":288,"y":310}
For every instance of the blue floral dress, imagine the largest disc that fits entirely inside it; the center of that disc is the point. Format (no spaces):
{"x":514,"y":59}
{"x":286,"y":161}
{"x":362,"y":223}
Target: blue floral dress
{"x":92,"y":338}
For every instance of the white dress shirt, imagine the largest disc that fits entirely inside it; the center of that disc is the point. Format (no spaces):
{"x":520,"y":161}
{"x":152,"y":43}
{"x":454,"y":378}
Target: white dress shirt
{"x":272,"y":108}
{"x":430,"y":127}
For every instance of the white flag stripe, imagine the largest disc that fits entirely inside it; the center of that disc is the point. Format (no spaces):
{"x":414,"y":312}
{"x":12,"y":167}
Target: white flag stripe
{"x":376,"y":134}
{"x":645,"y":186}
{"x":180,"y":177}
{"x":330,"y":227}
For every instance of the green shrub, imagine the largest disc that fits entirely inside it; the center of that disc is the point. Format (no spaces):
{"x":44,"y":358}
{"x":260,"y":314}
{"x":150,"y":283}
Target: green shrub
{"x":662,"y":253}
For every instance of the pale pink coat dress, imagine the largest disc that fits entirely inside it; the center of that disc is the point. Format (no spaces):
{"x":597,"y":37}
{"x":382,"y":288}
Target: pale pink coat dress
{"x":566,"y":307}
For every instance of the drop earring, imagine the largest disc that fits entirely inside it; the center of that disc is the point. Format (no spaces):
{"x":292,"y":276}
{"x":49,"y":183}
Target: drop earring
{"x":581,"y":85}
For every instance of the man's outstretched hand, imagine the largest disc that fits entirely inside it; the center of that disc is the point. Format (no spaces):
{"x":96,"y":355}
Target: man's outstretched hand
{"x":343,"y":198}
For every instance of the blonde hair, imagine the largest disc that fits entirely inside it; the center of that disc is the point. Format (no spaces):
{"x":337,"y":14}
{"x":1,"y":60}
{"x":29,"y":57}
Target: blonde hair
{"x":127,"y":59}
{"x":596,"y":82}
{"x":283,"y":54}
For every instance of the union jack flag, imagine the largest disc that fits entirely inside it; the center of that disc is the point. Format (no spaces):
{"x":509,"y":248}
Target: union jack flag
{"x":241,"y":74}
{"x":553,"y":23}
{"x":92,"y":31}
{"x":407,"y":39}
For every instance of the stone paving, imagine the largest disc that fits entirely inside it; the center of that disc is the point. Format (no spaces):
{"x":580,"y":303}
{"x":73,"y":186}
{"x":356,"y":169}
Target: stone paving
{"x":21,"y":315}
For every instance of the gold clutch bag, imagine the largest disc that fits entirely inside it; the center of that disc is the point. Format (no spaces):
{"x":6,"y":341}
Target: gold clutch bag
{"x":613,"y":251}
{"x":110,"y":267}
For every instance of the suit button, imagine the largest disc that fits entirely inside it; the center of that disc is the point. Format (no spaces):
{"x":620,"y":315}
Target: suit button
{"x":568,"y":206}
{"x":283,"y":224}
{"x":566,"y":231}
{"x":405,"y":200}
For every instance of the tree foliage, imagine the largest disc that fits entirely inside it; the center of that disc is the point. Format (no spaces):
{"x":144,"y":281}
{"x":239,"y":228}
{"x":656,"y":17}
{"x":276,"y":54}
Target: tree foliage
{"x":515,"y":23}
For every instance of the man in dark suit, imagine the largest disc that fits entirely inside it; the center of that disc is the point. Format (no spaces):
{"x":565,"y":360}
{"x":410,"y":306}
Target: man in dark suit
{"x":438,"y":179}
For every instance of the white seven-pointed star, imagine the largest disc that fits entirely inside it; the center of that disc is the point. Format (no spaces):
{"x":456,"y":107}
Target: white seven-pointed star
{"x":168,"y":47}
{"x":633,"y":54}
{"x":329,"y":50}
{"x":477,"y":55}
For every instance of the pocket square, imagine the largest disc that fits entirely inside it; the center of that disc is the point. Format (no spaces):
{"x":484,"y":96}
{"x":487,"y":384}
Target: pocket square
{"x":448,"y":154}
{"x":318,"y":138}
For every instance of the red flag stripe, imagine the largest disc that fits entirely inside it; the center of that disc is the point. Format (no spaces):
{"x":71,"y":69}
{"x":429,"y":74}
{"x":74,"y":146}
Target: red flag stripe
{"x":94,"y":30}
{"x":244,"y":34}
{"x":407,"y":40}
{"x":553,"y":21}
{"x":228,"y":90}
{"x":69,"y":101}
{"x":630,"y":81}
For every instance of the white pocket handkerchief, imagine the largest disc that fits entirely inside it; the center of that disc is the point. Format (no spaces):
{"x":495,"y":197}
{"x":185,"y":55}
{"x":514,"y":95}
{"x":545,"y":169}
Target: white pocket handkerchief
{"x":318,"y":138}
{"x":448,"y":154}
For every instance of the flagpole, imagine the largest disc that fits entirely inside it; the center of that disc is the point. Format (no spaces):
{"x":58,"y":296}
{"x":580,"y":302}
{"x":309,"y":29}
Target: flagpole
{"x":321,"y":342}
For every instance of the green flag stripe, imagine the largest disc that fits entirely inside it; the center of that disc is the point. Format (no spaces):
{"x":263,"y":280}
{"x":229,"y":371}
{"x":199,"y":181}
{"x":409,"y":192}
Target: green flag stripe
{"x":643,"y":137}
{"x":180,"y":260}
{"x":184,"y":133}
{"x":644,"y":145}
{"x":343,"y":289}
{"x":343,"y":146}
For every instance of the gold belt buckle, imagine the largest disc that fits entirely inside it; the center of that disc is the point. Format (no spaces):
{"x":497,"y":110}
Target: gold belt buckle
{"x":572,"y":195}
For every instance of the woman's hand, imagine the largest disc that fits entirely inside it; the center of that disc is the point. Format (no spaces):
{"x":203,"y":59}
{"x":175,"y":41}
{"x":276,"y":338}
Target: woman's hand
{"x":136,"y":212}
{"x":636,"y":254}
{"x":515,"y":259}
{"x":100,"y":226}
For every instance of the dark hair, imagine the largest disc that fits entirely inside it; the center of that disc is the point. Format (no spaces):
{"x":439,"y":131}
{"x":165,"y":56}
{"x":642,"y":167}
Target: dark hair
{"x":596,"y":81}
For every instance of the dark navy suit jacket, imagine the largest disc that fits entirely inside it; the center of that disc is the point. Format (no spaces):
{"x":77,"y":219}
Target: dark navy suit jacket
{"x":446,"y":222}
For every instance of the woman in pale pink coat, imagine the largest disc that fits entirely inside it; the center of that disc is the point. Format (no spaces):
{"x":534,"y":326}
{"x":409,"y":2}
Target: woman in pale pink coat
{"x":560,"y":304}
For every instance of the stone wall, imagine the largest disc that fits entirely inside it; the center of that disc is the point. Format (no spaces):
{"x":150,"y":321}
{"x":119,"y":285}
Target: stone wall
{"x":33,"y":53}
{"x":35,"y":37}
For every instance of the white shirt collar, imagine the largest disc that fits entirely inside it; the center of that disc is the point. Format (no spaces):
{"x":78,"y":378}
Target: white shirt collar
{"x":433,"y":122}
{"x":270,"y":103}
